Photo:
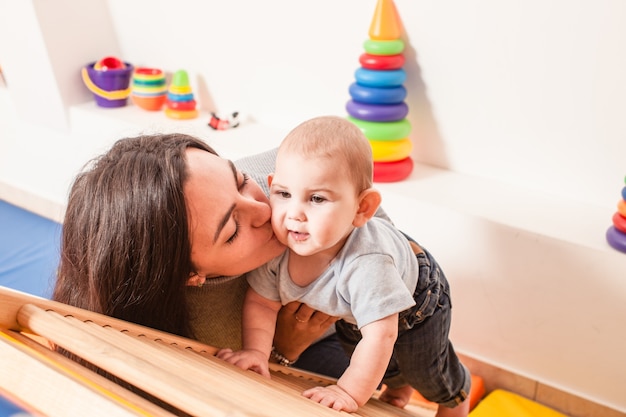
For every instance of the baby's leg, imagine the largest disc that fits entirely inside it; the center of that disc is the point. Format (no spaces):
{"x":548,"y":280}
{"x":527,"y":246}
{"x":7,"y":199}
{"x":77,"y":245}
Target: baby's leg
{"x":398,"y":397}
{"x":461,"y":410}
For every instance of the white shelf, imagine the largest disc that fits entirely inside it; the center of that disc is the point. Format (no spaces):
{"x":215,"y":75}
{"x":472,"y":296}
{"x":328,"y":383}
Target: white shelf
{"x":37,"y":167}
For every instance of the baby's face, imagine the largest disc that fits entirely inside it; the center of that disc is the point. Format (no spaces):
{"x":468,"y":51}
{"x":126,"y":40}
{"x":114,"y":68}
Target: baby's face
{"x":313,"y":203}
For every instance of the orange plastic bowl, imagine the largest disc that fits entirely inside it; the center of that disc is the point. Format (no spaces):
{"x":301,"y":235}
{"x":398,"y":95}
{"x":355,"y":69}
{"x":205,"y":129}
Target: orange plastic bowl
{"x":149,"y":103}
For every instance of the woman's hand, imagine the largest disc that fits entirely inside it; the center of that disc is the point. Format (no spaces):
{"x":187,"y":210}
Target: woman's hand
{"x":297,"y":326}
{"x":246,"y":359}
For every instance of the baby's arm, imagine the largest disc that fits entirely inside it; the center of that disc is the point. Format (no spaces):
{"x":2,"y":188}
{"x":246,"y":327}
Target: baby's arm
{"x":367,"y":368}
{"x":259,"y":320}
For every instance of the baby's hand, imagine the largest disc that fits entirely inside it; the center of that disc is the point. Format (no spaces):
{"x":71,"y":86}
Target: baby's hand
{"x":333,"y":397}
{"x":246,"y":359}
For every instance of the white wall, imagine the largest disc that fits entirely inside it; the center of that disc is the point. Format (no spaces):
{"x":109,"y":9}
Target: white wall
{"x":530,"y":92}
{"x":523,"y":103}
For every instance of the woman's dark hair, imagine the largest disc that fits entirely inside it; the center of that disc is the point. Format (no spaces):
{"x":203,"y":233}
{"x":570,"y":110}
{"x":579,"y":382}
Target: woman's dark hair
{"x":125,"y":248}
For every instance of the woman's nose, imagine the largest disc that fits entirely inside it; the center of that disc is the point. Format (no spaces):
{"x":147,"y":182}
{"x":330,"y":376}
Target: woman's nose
{"x":259,"y":212}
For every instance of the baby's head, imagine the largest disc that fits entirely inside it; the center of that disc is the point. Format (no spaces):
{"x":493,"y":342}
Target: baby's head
{"x":337,"y":139}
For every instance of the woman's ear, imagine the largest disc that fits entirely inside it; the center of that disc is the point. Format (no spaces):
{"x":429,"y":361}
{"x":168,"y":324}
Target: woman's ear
{"x":369,"y":201}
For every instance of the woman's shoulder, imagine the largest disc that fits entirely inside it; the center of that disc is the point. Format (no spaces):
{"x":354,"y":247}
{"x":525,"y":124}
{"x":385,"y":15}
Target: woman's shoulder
{"x":262,"y":163}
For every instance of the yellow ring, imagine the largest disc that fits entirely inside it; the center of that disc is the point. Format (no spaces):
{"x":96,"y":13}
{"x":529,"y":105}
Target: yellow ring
{"x":391,"y":150}
{"x":174,"y":114}
{"x":185,"y":89}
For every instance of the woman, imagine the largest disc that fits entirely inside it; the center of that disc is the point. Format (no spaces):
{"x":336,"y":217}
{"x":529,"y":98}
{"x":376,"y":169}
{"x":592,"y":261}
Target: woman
{"x":159,"y":230}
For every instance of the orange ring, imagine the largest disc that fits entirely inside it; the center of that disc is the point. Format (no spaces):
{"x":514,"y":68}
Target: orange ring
{"x":621,"y":208}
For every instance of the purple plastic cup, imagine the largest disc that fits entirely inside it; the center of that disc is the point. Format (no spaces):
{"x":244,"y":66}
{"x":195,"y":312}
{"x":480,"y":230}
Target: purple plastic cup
{"x":109,"y":86}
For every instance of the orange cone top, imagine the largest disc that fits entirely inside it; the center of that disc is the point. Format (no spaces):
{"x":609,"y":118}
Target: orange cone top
{"x":386,"y":24}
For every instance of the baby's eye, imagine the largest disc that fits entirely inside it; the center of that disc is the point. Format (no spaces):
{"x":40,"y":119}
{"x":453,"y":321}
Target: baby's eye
{"x":317,"y":199}
{"x":284,"y":194}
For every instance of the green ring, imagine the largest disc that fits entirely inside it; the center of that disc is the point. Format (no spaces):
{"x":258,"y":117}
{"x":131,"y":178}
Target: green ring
{"x":399,"y":129}
{"x":393,"y":47}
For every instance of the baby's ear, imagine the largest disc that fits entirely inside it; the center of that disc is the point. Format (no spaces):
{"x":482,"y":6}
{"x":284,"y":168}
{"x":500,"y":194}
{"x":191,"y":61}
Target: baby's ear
{"x":369,"y":200}
{"x":270,"y":177}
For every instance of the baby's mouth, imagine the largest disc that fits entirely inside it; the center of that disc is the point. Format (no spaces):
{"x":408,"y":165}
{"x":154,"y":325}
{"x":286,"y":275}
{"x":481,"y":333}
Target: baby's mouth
{"x":298,"y":236}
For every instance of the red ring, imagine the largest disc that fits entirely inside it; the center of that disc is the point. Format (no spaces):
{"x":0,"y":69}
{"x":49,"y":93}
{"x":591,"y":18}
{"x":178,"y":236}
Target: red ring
{"x":393,"y":171}
{"x":619,"y":222}
{"x":181,"y":105}
{"x":381,"y":62}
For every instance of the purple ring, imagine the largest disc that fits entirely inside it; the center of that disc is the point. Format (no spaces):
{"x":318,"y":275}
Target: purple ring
{"x":616,"y":239}
{"x":377,"y":112}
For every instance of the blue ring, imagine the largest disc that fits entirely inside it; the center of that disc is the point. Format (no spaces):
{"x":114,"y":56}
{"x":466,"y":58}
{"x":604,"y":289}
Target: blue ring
{"x":616,"y":239}
{"x":375,"y":95}
{"x":624,"y":193}
{"x":377,"y":112}
{"x":179,"y":97}
{"x":380,"y":78}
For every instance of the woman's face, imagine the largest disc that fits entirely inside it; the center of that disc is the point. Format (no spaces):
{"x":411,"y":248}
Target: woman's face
{"x":229,"y":219}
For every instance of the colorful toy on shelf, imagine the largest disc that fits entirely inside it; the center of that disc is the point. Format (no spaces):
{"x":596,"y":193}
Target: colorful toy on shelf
{"x":222,"y":124}
{"x":180,"y":103}
{"x":616,"y":234}
{"x":148,"y":88}
{"x":108,"y":79}
{"x":377,"y":104}
{"x":109,"y":63}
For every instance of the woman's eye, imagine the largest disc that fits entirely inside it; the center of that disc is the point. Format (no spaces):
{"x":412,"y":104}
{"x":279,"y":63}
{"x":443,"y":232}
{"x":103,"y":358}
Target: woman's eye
{"x":244,"y":181}
{"x":232,"y":238}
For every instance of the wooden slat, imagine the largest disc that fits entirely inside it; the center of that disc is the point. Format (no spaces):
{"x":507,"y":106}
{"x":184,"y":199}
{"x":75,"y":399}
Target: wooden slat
{"x":32,"y":378}
{"x":139,"y":371}
{"x":87,"y":376}
{"x":180,"y":371}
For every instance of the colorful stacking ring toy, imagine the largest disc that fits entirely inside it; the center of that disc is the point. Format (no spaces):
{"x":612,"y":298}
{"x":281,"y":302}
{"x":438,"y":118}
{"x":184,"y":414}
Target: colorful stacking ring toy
{"x":383,"y":130}
{"x":148,"y":88}
{"x":373,"y":95}
{"x":377,"y":112}
{"x":391,"y":150}
{"x":392,"y":47}
{"x":375,"y":78}
{"x":381,"y":62}
{"x":392,"y":171}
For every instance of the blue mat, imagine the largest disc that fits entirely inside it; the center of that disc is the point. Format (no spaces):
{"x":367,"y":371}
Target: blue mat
{"x":29,"y":250}
{"x":10,"y":409}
